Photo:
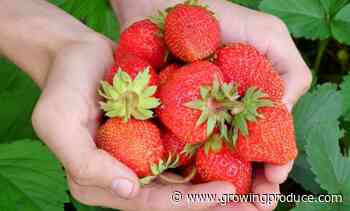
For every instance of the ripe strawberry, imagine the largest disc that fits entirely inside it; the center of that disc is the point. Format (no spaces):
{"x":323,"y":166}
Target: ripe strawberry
{"x":191,"y":32}
{"x":271,"y":139}
{"x":176,"y":146}
{"x":167,"y":72}
{"x":188,"y":102}
{"x":216,"y":161}
{"x":135,"y":143}
{"x":132,"y":65}
{"x":244,"y":65}
{"x":143,"y":39}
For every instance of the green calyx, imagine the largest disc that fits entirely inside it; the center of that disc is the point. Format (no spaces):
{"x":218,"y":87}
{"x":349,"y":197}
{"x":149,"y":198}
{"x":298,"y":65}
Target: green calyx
{"x":190,"y":149}
{"x":159,"y":19}
{"x":217,"y":104}
{"x":213,"y":144}
{"x":128,"y":98}
{"x":158,"y":168}
{"x":252,"y":101}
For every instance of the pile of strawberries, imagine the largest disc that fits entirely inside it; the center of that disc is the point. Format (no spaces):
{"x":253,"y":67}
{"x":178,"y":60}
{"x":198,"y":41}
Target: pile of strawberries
{"x":177,"y":99}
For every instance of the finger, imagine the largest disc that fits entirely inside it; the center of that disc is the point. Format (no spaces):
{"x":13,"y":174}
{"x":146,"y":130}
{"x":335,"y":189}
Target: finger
{"x":240,"y":24}
{"x":152,"y":197}
{"x":178,"y":197}
{"x":278,"y":174}
{"x":267,"y":192}
{"x":70,"y":139}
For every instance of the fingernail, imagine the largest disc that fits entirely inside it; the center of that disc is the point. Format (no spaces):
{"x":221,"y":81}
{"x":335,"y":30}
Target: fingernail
{"x":123,"y":188}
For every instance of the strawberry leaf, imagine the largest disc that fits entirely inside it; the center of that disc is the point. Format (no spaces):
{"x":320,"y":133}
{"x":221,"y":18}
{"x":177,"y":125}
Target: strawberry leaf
{"x":340,"y":25}
{"x":332,"y":7}
{"x":345,"y":94}
{"x":321,"y":105}
{"x":31,"y":179}
{"x":304,"y":18}
{"x":315,"y":207}
{"x":331,"y":168}
{"x":98,"y":15}
{"x":253,"y":4}
{"x":18,"y":95}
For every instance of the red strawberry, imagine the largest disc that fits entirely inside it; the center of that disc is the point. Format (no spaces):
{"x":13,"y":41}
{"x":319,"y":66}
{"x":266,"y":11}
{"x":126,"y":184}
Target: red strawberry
{"x":188,"y":102}
{"x":176,"y":146}
{"x":191,"y":32}
{"x":135,"y":143}
{"x":244,"y":65}
{"x":166,"y":73}
{"x":271,"y":139}
{"x":219,"y":162}
{"x":132,"y":65}
{"x":143,"y":39}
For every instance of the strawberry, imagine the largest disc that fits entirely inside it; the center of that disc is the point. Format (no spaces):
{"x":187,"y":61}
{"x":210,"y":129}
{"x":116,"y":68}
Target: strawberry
{"x":270,"y":139}
{"x":176,"y":146}
{"x":132,"y":65}
{"x":191,"y":108}
{"x":126,"y":98}
{"x":135,"y":143}
{"x":143,"y":39}
{"x":167,"y":72}
{"x":191,"y":31}
{"x":216,"y":161}
{"x":244,"y":65}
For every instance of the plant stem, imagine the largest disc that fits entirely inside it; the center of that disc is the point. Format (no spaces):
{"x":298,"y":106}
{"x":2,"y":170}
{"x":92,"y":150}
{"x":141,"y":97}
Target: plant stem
{"x":179,"y":181}
{"x":322,"y":45}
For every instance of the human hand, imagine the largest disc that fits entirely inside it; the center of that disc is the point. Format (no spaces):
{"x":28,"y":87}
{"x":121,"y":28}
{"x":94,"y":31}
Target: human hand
{"x":271,"y":37}
{"x":66,"y":118}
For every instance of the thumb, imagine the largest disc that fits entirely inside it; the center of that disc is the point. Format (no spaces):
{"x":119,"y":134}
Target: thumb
{"x":74,"y":146}
{"x":98,"y":168}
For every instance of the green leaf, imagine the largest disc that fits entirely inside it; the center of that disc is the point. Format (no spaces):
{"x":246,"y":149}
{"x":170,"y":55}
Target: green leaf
{"x":303,"y":175}
{"x":31,"y":179}
{"x":253,"y":4}
{"x":313,"y":207}
{"x":328,"y":164}
{"x":18,"y":95}
{"x":340,"y":25}
{"x":304,"y":18}
{"x":98,"y":15}
{"x":333,"y":6}
{"x":57,"y":2}
{"x":345,"y":94}
{"x":321,"y":105}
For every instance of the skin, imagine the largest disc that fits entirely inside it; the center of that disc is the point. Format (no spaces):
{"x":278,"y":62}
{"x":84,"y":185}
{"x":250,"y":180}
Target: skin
{"x":67,"y":60}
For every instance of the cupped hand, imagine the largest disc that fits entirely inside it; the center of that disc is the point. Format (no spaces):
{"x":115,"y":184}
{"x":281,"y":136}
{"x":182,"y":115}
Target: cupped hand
{"x":271,"y":37}
{"x":66,"y":119}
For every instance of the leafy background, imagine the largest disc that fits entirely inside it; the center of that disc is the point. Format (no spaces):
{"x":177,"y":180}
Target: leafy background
{"x":32,"y":179}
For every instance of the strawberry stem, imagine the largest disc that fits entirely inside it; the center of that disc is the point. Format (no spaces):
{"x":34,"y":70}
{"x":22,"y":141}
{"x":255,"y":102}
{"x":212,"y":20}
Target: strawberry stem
{"x":172,"y":180}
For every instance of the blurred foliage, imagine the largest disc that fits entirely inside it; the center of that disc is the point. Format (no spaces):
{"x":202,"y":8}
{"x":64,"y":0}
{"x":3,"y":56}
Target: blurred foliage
{"x":321,"y":30}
